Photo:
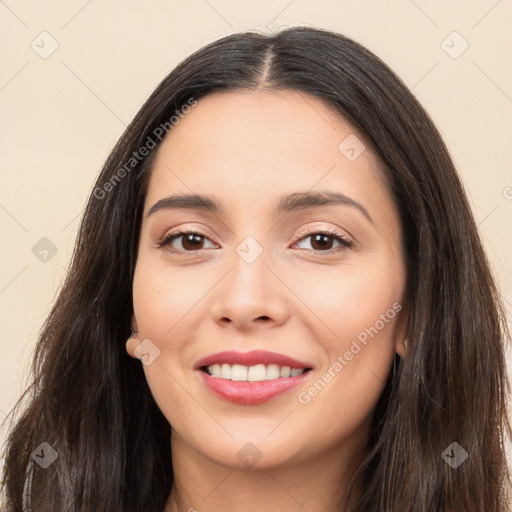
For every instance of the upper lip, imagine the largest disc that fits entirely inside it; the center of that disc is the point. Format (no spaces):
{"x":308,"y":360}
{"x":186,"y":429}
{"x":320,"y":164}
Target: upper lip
{"x":251,"y":359}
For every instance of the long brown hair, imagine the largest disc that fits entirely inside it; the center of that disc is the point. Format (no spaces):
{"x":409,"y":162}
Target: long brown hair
{"x":90,"y":403}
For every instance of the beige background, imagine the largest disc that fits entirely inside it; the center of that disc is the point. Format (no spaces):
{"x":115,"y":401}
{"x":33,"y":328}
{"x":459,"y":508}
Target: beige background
{"x":61,"y":113}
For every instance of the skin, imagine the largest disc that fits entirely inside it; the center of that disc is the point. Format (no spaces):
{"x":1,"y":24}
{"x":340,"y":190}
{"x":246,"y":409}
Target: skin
{"x":247,"y":150}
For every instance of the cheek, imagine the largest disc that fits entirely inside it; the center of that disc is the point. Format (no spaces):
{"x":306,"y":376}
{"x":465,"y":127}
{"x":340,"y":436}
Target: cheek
{"x":164,"y":300}
{"x":353,"y":298}
{"x":361,"y":307}
{"x":164,"y":308}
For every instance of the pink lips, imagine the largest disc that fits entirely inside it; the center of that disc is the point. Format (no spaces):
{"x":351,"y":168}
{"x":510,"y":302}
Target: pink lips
{"x":251,"y":359}
{"x":250,"y":393}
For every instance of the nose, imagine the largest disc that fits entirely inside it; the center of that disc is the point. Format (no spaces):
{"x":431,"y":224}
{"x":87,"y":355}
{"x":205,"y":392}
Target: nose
{"x":250,"y":296}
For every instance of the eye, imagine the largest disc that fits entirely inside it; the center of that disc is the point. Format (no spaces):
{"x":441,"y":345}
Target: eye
{"x":190,"y":241}
{"x":323,"y":240}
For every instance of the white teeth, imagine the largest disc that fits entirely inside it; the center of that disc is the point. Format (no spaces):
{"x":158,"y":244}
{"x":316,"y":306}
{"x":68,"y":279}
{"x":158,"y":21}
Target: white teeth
{"x":285,"y":371}
{"x":258,"y":372}
{"x":225,"y":371}
{"x":214,"y":370}
{"x":272,"y":371}
{"x":238,"y":372}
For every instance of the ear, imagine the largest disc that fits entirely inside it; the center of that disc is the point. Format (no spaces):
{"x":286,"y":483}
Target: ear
{"x":401,"y":347}
{"x":401,"y":333}
{"x":133,"y":322}
{"x":133,"y":341}
{"x":131,"y":345}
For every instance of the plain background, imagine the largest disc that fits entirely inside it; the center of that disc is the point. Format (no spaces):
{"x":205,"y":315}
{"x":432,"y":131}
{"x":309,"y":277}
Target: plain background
{"x":74,"y":73}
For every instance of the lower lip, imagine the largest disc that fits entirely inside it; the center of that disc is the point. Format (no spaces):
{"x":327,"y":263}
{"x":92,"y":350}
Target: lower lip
{"x":251,"y":393}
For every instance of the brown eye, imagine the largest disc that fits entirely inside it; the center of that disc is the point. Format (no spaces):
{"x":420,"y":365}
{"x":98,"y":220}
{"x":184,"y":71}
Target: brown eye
{"x":324,"y":241}
{"x":321,"y":242}
{"x":190,"y":241}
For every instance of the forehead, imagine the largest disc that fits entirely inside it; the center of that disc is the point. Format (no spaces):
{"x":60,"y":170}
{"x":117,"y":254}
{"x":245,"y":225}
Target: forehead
{"x":251,"y":147}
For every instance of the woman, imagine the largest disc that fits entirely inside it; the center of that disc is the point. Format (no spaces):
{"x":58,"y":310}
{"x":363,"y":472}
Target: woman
{"x":281,"y":244}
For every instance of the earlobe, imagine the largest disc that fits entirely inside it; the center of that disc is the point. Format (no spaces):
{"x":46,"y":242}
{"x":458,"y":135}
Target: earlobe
{"x":401,"y":335}
{"x":401,"y":348}
{"x":131,"y":344}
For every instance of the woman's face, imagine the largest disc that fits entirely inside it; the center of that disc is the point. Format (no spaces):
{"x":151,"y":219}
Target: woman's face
{"x":259,"y":275}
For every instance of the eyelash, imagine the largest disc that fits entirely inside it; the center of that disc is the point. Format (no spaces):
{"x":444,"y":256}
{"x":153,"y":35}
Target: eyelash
{"x":344,"y":242}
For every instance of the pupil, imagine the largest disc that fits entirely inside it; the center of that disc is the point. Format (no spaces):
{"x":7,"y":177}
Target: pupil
{"x":321,"y":240}
{"x":193,"y":240}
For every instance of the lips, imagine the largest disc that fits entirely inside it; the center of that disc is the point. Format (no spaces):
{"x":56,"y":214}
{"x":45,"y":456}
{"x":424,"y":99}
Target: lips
{"x":250,"y":393}
{"x":247,"y":392}
{"x":251,"y":359}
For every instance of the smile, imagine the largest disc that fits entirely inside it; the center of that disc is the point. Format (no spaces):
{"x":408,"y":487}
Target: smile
{"x":256,"y":373}
{"x":251,"y":378}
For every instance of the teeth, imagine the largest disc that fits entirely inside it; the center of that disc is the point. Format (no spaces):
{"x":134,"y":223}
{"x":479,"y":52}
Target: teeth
{"x":259,"y":372}
{"x":238,"y":372}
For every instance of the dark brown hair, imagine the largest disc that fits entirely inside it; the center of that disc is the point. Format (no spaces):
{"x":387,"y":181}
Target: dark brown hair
{"x":90,"y":401}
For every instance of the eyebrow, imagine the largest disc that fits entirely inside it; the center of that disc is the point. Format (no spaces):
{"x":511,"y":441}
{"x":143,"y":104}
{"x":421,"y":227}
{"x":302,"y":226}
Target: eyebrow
{"x":293,"y":202}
